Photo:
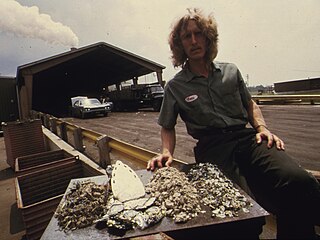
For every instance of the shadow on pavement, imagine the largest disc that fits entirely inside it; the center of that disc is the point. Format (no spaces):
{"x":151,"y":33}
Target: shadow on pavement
{"x":16,"y":222}
{"x":6,"y":173}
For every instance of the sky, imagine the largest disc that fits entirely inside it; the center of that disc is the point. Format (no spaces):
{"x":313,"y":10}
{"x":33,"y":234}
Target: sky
{"x":270,"y":41}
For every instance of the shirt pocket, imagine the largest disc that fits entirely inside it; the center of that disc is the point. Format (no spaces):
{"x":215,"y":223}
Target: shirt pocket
{"x":195,"y":111}
{"x":232,"y":105}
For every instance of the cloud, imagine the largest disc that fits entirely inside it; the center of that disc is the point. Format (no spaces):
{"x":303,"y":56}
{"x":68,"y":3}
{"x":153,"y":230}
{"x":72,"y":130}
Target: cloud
{"x":28,"y":22}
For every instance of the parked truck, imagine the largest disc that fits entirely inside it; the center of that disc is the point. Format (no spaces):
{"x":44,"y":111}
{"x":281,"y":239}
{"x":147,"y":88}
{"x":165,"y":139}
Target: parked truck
{"x":136,"y":96}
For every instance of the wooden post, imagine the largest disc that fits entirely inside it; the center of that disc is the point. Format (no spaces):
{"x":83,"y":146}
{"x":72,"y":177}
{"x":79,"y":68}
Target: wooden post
{"x":53,"y":123}
{"x":63,"y":132}
{"x":42,"y":116}
{"x":25,"y":96}
{"x":77,"y":136}
{"x":46,"y":121}
{"x":104,"y":149}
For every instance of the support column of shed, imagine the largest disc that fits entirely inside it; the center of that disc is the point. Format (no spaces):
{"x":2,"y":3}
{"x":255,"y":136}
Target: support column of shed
{"x":159,"y":77}
{"x":25,"y":97}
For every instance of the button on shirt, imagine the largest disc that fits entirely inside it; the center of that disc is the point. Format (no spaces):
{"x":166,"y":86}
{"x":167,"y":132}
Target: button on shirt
{"x":204,"y":104}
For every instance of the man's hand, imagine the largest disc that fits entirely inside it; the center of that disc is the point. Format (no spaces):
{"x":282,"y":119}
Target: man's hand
{"x":264,"y":133}
{"x":158,"y":161}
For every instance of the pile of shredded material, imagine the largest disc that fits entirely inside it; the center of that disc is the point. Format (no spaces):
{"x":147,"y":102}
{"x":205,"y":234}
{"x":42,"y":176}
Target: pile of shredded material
{"x":217,"y":191}
{"x":83,"y":204}
{"x":171,"y":193}
{"x":174,"y":194}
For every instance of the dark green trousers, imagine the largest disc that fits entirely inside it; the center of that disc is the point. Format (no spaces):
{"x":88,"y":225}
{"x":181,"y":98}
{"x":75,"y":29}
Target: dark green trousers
{"x":270,"y":176}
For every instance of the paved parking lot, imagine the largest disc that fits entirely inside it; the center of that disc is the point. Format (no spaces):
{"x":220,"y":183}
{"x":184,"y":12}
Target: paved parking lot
{"x":298,"y":126}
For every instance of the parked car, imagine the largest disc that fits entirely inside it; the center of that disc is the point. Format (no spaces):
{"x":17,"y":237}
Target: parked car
{"x":84,"y":106}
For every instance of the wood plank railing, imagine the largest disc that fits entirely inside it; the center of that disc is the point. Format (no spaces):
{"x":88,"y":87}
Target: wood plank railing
{"x":106,"y":145}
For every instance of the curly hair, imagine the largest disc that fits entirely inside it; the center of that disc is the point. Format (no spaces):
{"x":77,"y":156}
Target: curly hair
{"x":207,"y":25}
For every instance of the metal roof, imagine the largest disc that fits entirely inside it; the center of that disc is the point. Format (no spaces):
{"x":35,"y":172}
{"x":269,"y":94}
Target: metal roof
{"x":82,"y":71}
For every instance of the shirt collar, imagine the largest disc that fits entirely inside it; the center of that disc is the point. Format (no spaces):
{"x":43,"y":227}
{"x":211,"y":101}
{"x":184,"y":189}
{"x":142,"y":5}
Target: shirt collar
{"x":216,"y":66}
{"x":190,"y":75}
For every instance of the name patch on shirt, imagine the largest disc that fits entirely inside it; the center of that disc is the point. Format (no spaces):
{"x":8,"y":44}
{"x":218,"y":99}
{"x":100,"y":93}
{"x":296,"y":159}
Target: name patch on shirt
{"x":191,"y":98}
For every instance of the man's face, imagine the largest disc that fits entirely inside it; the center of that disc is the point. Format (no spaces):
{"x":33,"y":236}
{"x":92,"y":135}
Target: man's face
{"x":193,"y":41}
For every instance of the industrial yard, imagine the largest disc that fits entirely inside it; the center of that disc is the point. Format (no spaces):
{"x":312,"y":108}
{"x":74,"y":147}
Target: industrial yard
{"x":49,"y":144}
{"x":298,"y":126}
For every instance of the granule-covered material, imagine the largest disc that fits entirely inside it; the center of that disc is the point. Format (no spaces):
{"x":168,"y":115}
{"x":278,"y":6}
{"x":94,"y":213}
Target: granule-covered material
{"x":217,"y":191}
{"x":174,"y":194}
{"x":83,"y":204}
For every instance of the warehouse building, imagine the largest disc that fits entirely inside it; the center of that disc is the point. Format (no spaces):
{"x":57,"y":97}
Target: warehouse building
{"x":301,"y":86}
{"x":47,"y":85}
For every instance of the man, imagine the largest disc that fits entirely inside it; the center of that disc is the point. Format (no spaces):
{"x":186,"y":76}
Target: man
{"x":213,"y":101}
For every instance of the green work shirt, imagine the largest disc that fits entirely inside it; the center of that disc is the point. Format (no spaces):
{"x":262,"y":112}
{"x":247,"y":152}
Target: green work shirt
{"x":204,"y":104}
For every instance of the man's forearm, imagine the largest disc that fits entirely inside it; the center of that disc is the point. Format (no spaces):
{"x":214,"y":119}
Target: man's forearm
{"x":255,"y":116}
{"x":168,"y":138}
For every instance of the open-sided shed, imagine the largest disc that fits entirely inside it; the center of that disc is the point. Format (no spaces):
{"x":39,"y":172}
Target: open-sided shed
{"x":47,"y":85}
{"x":8,"y":100}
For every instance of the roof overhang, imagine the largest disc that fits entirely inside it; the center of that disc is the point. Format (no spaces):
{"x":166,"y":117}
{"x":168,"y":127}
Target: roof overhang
{"x":103,"y":60}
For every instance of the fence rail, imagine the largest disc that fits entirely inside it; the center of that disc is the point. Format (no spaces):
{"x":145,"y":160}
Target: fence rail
{"x":106,"y":145}
{"x":285,"y":99}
